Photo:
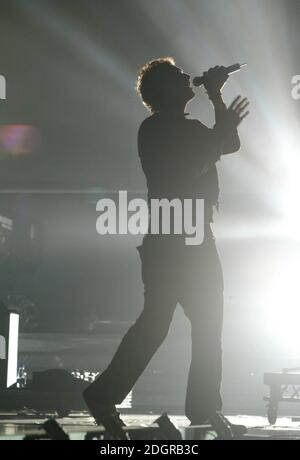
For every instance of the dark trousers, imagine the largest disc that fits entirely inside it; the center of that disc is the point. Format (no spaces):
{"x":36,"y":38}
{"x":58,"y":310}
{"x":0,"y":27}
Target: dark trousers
{"x":191,"y":276}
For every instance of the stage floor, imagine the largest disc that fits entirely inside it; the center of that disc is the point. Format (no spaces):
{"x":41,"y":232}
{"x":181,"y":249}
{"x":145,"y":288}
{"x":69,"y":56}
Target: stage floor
{"x":16,"y":426}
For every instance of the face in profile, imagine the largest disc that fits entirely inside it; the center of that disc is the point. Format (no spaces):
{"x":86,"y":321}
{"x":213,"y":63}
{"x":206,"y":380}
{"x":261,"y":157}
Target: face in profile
{"x":179,"y":85}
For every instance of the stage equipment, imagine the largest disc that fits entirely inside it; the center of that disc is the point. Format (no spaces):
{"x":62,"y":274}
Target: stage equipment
{"x":132,"y":433}
{"x":284,"y":387}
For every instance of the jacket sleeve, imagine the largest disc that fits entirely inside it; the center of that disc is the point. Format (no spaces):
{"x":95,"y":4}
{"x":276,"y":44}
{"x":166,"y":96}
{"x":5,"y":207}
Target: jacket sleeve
{"x":212,"y":143}
{"x":229,"y":139}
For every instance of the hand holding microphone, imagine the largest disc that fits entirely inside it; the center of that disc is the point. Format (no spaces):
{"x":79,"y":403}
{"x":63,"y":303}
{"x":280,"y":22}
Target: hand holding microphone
{"x":214,"y":80}
{"x":199,"y":81}
{"x":216,"y":77}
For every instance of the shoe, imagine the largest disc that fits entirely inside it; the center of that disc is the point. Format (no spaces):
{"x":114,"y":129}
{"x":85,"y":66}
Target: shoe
{"x":224,"y":428}
{"x":238,"y":430}
{"x":107,"y":416}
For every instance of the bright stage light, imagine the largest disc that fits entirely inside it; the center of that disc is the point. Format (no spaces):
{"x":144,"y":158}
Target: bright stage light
{"x":282,"y":308}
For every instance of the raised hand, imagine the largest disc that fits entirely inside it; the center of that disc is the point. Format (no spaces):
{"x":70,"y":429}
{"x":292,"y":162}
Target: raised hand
{"x":236,"y":112}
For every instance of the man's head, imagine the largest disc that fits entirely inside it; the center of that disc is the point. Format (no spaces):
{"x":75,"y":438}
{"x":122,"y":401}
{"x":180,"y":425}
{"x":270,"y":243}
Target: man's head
{"x":163,"y":86}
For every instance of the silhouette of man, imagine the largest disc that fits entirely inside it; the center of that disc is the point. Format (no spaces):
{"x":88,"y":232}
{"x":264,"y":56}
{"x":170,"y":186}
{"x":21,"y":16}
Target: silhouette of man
{"x":178,"y":156}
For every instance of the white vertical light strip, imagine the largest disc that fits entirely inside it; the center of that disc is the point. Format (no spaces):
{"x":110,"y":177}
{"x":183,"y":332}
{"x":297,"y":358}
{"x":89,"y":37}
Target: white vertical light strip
{"x":2,"y":347}
{"x":12,"y":357}
{"x":2,"y":87}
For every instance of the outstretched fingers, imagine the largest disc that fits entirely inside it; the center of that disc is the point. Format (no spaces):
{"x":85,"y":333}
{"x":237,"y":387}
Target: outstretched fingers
{"x":244,"y":115}
{"x":234,"y":103}
{"x":238,"y":103}
{"x":242,"y":106}
{"x":239,"y":106}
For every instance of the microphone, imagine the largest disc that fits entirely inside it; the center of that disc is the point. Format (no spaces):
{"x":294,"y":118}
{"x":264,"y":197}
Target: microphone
{"x":199,"y":81}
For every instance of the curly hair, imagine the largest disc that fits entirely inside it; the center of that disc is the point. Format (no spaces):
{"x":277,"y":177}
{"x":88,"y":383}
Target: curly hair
{"x":151,"y":80}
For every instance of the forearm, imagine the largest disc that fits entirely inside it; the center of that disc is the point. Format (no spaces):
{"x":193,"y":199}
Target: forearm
{"x":219,"y":106}
{"x":226,"y":135}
